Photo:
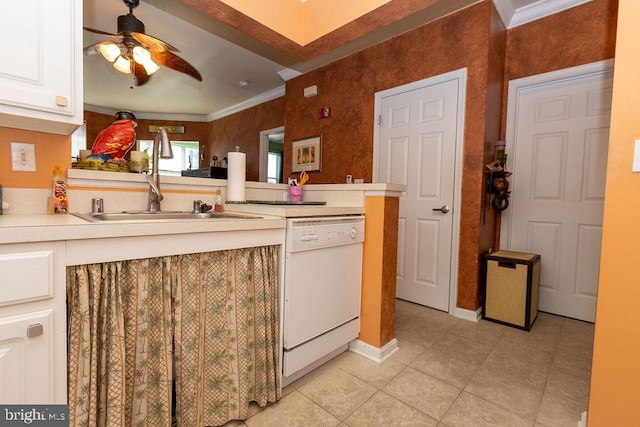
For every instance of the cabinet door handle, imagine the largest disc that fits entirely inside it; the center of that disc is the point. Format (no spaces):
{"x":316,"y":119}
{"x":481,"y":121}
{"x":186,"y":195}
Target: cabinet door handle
{"x":61,"y":101}
{"x":35,"y":330}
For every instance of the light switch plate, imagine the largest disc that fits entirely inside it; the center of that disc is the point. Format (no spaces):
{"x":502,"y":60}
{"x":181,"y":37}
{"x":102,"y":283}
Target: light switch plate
{"x":23,"y":157}
{"x":635,"y":167}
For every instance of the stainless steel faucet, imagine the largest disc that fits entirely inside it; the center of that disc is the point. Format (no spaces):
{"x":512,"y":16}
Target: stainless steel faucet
{"x":161,"y":149}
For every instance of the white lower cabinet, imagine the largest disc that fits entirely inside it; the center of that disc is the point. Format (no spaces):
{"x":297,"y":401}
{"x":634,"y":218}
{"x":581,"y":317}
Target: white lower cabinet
{"x":26,"y":358}
{"x":33,"y":323}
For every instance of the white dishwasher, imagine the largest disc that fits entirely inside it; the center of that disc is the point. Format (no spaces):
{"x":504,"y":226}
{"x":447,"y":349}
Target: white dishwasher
{"x":322,"y":287}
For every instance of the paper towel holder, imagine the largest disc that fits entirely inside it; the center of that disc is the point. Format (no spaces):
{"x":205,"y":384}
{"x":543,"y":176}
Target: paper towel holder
{"x":307,"y":154}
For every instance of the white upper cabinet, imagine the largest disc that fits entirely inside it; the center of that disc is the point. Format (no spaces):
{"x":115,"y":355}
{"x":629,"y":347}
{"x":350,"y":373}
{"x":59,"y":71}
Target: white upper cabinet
{"x":41,"y":66}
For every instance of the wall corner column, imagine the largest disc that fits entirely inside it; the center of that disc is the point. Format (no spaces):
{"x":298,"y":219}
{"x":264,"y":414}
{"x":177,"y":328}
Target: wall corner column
{"x":377,"y":315}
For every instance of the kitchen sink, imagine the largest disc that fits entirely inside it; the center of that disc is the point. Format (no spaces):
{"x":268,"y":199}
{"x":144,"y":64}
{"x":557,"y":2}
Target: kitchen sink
{"x":162,"y":215}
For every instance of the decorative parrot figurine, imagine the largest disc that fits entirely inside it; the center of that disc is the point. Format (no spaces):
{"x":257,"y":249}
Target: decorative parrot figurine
{"x":114,"y":141}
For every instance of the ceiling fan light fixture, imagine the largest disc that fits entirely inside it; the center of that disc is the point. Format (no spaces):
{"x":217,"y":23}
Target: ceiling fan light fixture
{"x":123,"y":65}
{"x":150,"y":67}
{"x":110,"y":51}
{"x":143,"y":57}
{"x":136,"y":52}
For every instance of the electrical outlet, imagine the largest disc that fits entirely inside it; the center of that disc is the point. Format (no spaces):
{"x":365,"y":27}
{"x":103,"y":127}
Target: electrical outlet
{"x":23,"y":157}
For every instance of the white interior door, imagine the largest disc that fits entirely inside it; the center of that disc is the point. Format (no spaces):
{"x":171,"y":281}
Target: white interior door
{"x":560,"y":135}
{"x":419,"y":133}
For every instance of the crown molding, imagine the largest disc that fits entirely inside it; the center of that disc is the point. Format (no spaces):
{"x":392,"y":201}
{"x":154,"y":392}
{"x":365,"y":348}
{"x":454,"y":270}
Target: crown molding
{"x":150,"y":116}
{"x":288,"y":74}
{"x":513,"y":17}
{"x":252,"y":102}
{"x":256,"y":100}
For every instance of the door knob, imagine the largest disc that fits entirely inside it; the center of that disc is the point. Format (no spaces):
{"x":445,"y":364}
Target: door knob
{"x":444,"y":209}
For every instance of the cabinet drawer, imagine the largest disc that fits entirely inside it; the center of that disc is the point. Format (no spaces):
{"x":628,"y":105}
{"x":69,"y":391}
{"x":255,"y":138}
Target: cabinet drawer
{"x":26,"y":276}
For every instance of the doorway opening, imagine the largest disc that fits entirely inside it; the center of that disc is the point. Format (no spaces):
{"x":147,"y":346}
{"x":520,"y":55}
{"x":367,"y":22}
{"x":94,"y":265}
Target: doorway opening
{"x":271,"y":155}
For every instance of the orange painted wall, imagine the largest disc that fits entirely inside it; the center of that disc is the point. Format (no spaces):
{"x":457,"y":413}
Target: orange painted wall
{"x":614,"y":399}
{"x":51,"y":150}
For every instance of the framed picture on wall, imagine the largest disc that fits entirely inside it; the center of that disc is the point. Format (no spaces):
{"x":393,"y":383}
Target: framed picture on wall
{"x":306,"y":154}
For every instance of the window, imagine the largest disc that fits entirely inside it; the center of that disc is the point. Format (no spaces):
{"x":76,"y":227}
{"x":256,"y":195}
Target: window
{"x":185,"y":156}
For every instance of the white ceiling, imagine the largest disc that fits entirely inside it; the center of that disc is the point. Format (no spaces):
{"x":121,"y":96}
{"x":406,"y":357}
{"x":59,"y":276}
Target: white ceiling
{"x":170,"y":94}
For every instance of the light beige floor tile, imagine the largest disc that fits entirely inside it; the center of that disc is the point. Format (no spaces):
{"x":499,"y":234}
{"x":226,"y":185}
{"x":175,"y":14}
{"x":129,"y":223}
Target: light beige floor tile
{"x":294,"y":410}
{"x":315,"y":373}
{"x":408,"y":352}
{"x":420,"y":332}
{"x":452,"y":368}
{"x":538,"y":348}
{"x":375,"y":374}
{"x":408,"y":308}
{"x":506,"y":392}
{"x":423,"y":392}
{"x":581,"y":331}
{"x":570,"y":386}
{"x":524,"y":369}
{"x":402,"y":318}
{"x":548,"y":324}
{"x":472,"y":411}
{"x":533,"y":338}
{"x":384,"y":410}
{"x":574,"y":357}
{"x":437,"y":317}
{"x":557,"y":411}
{"x":287,"y":389}
{"x":577,"y":366}
{"x":254,"y":408}
{"x":482,"y":332}
{"x":474,"y":352}
{"x":337,"y":391}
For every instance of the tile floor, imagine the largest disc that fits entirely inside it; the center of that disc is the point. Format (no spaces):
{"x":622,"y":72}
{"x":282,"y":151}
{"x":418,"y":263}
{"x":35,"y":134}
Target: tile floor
{"x":448,"y":372}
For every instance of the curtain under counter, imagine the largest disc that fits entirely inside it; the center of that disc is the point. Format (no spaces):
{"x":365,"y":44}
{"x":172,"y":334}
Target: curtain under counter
{"x":210,"y":320}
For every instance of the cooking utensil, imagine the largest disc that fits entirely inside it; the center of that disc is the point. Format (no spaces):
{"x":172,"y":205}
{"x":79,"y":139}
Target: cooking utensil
{"x":304,"y":177}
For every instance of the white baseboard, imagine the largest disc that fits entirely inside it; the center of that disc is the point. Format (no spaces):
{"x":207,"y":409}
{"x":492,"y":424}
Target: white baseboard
{"x":463,"y":313}
{"x":583,"y":420}
{"x":375,"y":354}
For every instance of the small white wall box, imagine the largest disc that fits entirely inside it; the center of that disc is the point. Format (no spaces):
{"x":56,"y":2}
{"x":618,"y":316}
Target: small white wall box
{"x":511,"y":288}
{"x":310,"y":91}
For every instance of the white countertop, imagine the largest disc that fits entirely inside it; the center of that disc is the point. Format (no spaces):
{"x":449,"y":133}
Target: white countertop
{"x":40,"y":228}
{"x":291,"y":211}
{"x":121,"y":191}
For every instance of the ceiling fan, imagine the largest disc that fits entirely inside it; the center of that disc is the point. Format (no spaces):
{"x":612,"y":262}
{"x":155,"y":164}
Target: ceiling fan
{"x":136,"y":52}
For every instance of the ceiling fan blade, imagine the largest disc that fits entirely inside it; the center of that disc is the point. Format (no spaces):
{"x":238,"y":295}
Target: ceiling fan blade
{"x":173,"y":61}
{"x":141,"y":74}
{"x":104,"y":33}
{"x":152,"y":43}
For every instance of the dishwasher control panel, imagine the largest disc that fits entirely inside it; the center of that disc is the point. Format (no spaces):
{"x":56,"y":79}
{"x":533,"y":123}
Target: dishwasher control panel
{"x":318,"y":232}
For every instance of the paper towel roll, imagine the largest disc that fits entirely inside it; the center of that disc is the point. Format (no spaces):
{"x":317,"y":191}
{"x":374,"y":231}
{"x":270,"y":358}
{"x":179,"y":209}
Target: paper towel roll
{"x":236,"y":176}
